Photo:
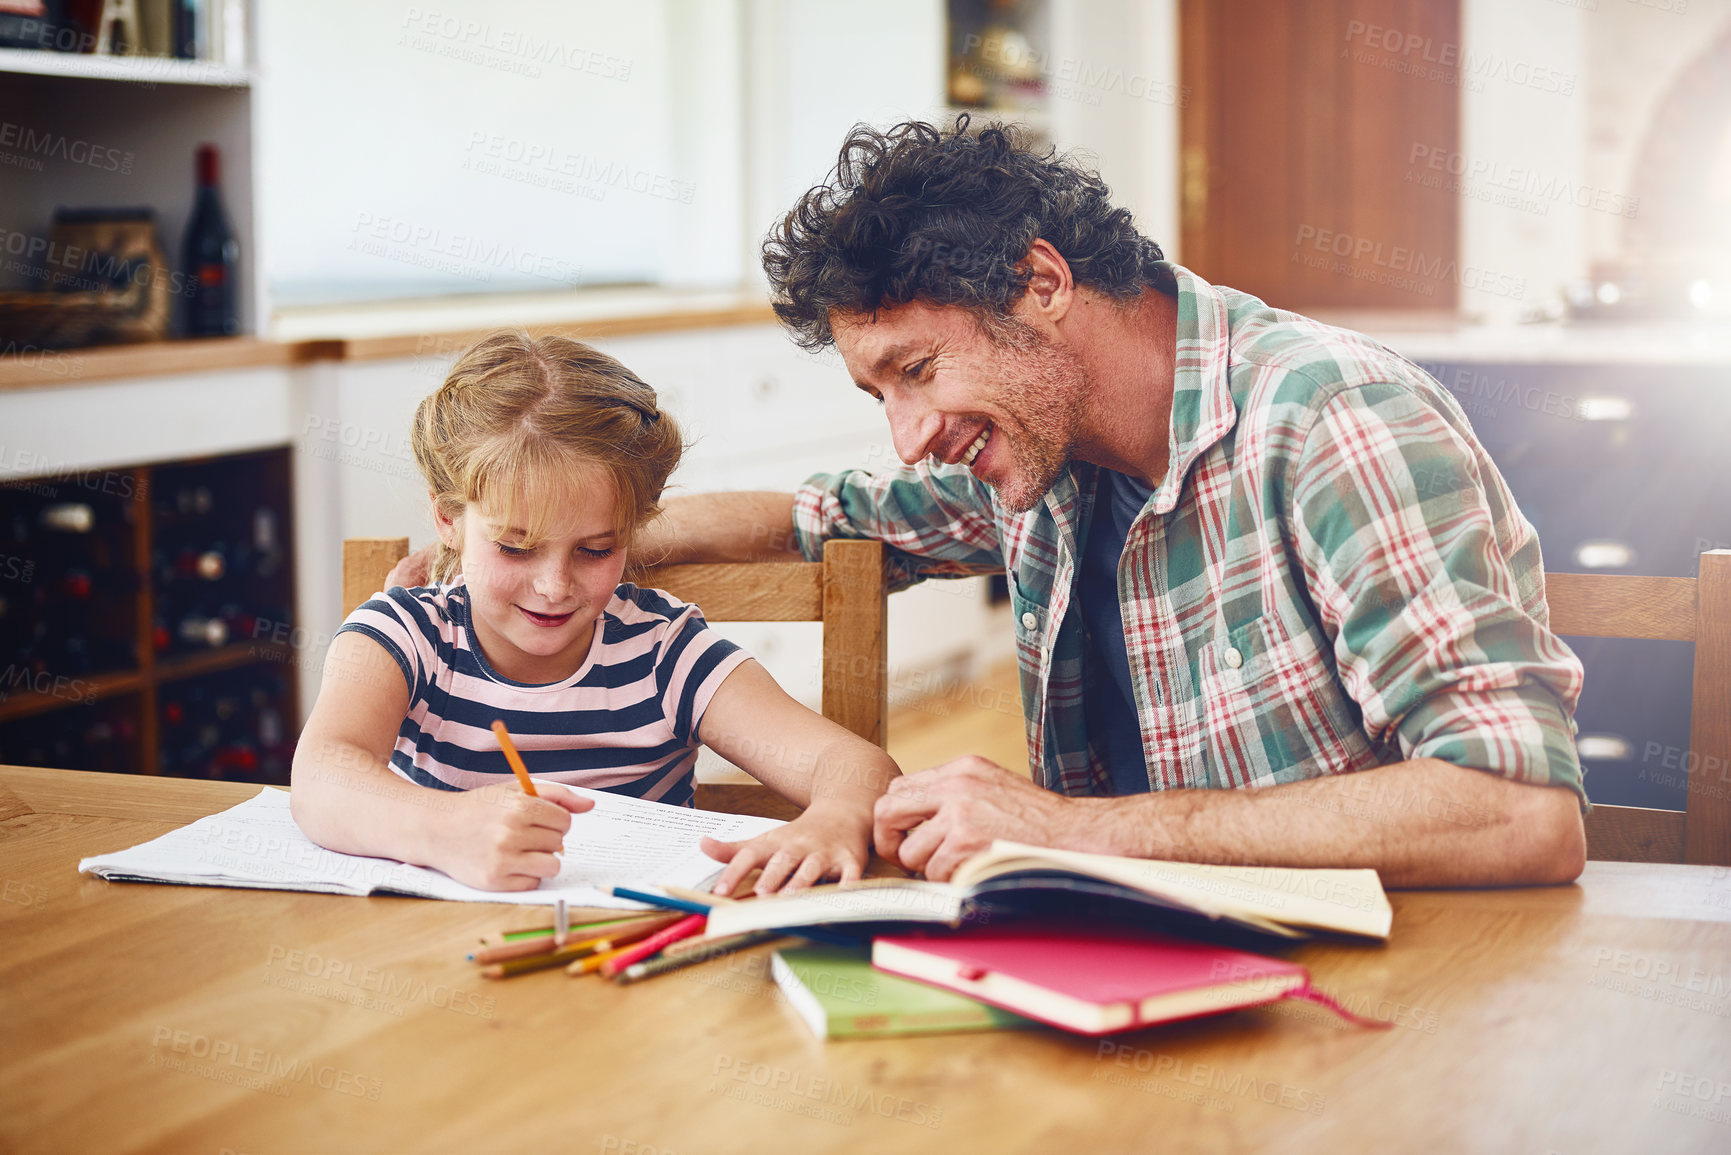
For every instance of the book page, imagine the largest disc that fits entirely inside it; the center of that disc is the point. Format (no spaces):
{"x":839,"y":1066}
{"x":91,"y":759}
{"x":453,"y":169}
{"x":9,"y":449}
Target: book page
{"x":1349,"y":901}
{"x":873,"y":900}
{"x":622,"y":842}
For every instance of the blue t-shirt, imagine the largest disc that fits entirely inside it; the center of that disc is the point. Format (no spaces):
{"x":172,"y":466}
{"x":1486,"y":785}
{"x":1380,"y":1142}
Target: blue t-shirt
{"x":1108,"y":697}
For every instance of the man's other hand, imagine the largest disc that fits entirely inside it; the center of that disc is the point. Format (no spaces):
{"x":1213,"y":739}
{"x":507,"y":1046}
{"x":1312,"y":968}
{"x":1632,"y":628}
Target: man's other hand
{"x":413,"y":571}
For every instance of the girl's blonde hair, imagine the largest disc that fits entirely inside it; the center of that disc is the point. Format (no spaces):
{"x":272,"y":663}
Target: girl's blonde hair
{"x":519,"y":421}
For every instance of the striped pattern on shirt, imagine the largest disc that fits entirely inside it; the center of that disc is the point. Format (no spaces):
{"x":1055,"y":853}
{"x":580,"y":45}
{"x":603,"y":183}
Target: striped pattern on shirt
{"x":626,"y":721}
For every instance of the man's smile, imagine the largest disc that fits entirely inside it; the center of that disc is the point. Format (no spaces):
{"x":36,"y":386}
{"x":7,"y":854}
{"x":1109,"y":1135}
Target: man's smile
{"x":979,"y":443}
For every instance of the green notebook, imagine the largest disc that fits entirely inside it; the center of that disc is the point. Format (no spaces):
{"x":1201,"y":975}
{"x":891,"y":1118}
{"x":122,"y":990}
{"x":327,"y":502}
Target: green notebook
{"x":840,"y":996}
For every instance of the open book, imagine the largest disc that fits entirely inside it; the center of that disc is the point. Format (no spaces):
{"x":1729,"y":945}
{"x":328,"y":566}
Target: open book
{"x":1281,"y":901}
{"x":622,"y":842}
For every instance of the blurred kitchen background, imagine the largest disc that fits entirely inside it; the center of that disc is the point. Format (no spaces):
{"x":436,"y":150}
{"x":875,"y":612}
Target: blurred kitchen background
{"x":240,"y":240}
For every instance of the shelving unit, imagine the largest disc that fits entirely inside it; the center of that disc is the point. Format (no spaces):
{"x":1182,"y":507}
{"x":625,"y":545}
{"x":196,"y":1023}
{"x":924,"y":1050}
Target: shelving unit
{"x":134,"y":69}
{"x":134,"y":605}
{"x":87,"y":131}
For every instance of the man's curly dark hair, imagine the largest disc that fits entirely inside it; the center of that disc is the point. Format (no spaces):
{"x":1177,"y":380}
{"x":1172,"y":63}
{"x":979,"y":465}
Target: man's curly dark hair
{"x":946,"y":217}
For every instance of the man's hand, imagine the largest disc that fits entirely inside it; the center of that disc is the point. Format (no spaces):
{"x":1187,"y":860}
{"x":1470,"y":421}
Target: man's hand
{"x":934,"y":820}
{"x":413,"y":571}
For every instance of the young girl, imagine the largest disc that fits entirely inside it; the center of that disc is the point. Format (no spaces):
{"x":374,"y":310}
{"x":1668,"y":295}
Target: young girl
{"x":542,"y":458}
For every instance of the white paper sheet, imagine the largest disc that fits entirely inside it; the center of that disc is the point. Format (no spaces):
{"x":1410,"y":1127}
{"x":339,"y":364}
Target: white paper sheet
{"x":622,"y":842}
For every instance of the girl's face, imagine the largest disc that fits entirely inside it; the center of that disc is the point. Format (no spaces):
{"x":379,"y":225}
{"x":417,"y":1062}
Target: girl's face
{"x":534,"y":608}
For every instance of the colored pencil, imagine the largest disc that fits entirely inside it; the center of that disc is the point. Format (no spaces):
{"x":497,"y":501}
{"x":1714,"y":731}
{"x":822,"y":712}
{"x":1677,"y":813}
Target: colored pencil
{"x":684,"y":928}
{"x":543,"y":944}
{"x":523,"y":933}
{"x":514,"y":758}
{"x":618,"y":940}
{"x":663,"y":900}
{"x":593,"y":962}
{"x":687,"y":892}
{"x":525,"y":949}
{"x":696,"y":952}
{"x":834,"y":938}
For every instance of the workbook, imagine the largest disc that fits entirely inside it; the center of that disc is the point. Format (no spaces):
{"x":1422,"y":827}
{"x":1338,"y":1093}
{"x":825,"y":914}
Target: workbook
{"x":621,"y":842}
{"x":1009,"y":877}
{"x":1092,"y":980}
{"x":840,"y":996}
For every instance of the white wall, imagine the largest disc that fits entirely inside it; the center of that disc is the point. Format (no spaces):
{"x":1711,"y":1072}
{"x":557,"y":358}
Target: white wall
{"x":1526,"y":246}
{"x":1558,"y":100}
{"x":482,"y":146}
{"x":1635,"y":53}
{"x":1116,"y":98}
{"x":473,"y":146}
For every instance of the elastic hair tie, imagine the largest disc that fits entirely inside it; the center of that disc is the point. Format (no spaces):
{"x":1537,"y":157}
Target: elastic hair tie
{"x":650,"y":416}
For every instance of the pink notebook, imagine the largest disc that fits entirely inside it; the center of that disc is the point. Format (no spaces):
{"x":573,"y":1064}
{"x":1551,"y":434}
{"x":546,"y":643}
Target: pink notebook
{"x":1096,"y":982}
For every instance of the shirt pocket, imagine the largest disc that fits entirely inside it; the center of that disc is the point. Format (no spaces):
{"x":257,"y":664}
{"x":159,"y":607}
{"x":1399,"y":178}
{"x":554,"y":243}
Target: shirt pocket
{"x":1273,"y":709}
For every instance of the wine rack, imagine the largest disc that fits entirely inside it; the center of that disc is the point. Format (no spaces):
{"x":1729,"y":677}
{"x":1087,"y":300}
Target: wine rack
{"x":141,"y":612}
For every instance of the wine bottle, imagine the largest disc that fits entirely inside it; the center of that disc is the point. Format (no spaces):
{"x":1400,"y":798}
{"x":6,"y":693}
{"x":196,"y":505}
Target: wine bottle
{"x":264,"y":542}
{"x":210,"y":257}
{"x":203,"y":631}
{"x":68,"y":517}
{"x":184,"y":29}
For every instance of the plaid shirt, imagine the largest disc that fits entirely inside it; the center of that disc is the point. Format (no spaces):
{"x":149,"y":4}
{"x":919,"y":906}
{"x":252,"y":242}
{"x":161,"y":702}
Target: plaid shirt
{"x":1331,"y":575}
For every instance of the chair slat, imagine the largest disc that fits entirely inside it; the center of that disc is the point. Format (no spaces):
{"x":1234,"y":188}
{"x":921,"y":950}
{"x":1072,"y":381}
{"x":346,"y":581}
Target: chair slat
{"x":1619,"y":606}
{"x":366,"y":561}
{"x":763,"y":592}
{"x":1709,"y":760}
{"x":1634,"y":834}
{"x":855,"y":638}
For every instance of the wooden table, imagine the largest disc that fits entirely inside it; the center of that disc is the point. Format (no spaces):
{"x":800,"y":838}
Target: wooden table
{"x":1594,"y":1017}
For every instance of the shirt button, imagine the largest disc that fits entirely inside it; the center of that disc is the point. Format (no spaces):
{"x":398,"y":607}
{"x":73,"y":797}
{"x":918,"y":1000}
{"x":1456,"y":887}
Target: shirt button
{"x":1029,"y":621}
{"x":1233,"y":657}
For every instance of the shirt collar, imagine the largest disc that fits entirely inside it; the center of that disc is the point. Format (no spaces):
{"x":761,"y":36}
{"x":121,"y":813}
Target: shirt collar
{"x":1203,"y":411}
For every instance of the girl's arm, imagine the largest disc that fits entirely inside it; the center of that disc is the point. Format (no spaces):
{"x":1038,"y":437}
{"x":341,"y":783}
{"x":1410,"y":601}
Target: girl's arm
{"x":345,"y":798}
{"x":807,"y":759}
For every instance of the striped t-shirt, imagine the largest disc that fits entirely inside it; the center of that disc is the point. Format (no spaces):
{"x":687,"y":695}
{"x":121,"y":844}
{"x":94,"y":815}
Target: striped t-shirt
{"x":626,"y":721}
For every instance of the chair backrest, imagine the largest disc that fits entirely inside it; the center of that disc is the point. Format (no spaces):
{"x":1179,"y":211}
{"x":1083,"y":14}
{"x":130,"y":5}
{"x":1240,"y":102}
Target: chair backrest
{"x":846,"y":592}
{"x":1677,"y":609}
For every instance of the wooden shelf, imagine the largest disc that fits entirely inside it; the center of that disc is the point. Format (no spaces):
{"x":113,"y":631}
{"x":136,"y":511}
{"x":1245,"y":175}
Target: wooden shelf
{"x":132,"y":69}
{"x":76,"y":691}
{"x":584,"y":328}
{"x":28,"y":703}
{"x":70,"y":367}
{"x":229,"y":657}
{"x":58,"y":369}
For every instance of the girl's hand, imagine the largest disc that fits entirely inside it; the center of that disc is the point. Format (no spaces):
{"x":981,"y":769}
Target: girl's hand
{"x":819,"y":843}
{"x":499,"y":838}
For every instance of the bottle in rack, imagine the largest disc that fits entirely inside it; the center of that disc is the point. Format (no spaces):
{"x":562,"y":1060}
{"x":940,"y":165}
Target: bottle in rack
{"x":210,"y":257}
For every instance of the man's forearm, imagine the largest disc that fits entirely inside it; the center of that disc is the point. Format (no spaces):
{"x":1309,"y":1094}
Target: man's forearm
{"x":720,"y":527}
{"x":1418,"y":823}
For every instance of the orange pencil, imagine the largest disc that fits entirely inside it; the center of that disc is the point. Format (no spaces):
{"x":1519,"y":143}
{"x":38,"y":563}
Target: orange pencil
{"x":514,"y":758}
{"x":593,"y":963}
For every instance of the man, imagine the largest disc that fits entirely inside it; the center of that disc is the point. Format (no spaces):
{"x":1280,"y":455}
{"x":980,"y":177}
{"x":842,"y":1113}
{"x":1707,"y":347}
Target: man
{"x":1273,"y":602}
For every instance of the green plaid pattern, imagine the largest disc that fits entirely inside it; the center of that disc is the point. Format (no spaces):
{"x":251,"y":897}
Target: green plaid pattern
{"x":1331,"y":576}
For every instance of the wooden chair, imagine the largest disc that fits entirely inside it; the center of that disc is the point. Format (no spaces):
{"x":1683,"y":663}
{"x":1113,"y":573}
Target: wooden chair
{"x":1680,"y":609}
{"x":846,"y":592}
